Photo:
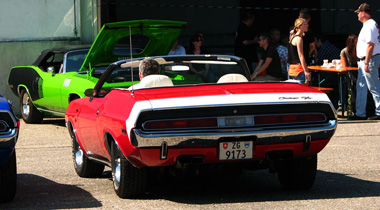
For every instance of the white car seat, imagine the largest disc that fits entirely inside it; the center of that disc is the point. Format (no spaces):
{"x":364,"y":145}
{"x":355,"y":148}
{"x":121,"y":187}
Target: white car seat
{"x":232,"y":78}
{"x":154,"y":80}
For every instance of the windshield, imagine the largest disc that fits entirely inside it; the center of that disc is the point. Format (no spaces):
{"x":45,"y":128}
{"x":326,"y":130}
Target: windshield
{"x":74,"y":60}
{"x":181,"y":72}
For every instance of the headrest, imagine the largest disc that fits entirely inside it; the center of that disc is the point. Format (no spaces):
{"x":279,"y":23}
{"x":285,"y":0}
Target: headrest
{"x":155,"y":80}
{"x":232,"y":78}
{"x":293,"y":81}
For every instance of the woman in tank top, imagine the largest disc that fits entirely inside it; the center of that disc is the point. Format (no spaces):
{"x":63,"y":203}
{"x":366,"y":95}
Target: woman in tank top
{"x":298,"y":67}
{"x":348,"y":54}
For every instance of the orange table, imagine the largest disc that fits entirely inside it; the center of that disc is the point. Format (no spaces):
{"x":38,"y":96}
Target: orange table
{"x":332,"y":69}
{"x":342,"y":72}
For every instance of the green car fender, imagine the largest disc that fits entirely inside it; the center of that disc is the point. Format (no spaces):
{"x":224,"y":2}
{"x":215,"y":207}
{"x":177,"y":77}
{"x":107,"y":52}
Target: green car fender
{"x":21,"y":77}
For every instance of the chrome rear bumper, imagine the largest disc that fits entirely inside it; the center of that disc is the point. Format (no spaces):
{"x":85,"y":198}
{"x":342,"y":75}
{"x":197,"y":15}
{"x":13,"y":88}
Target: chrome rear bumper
{"x":9,"y":138}
{"x":265,"y":135}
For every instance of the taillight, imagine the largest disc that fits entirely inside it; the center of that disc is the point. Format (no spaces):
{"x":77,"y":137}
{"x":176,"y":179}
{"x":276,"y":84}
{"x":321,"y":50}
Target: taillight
{"x":18,"y":125}
{"x":186,"y":123}
{"x":289,"y":118}
{"x":235,"y":121}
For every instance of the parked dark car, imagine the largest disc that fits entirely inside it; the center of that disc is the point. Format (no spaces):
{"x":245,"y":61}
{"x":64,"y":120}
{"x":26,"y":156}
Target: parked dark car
{"x":9,"y":128}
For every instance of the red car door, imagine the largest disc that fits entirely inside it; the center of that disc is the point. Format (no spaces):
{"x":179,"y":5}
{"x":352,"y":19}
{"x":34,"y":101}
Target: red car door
{"x":87,"y":121}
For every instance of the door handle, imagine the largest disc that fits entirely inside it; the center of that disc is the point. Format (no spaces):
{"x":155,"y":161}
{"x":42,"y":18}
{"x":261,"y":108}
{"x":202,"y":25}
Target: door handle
{"x":97,"y":112}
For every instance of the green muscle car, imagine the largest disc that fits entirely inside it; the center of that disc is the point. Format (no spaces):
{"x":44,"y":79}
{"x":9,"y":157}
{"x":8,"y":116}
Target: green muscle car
{"x":62,"y":74}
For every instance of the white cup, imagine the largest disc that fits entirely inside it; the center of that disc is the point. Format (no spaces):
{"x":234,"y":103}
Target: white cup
{"x":338,"y":63}
{"x":325,"y":62}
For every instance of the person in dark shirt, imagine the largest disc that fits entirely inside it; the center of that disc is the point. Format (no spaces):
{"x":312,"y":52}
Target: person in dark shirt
{"x":326,"y":50}
{"x":246,"y":40}
{"x":269,"y":62}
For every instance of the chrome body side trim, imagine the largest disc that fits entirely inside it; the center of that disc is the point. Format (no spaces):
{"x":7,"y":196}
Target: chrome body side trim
{"x":53,"y":112}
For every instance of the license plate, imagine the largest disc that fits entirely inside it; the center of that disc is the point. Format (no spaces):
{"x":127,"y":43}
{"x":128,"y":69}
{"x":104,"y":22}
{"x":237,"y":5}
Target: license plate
{"x":236,"y":121}
{"x":236,"y":150}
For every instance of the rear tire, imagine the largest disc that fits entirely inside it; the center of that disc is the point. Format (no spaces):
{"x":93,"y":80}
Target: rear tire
{"x":84,"y":167}
{"x":128,"y":181}
{"x":298,"y":174}
{"x":29,"y":112}
{"x":8,"y":179}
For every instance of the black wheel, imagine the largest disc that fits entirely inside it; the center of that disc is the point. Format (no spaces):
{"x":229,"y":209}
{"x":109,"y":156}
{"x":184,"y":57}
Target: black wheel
{"x":84,"y":167}
{"x":298,"y":174}
{"x":8,"y":179}
{"x":29,"y":112}
{"x":128,"y":181}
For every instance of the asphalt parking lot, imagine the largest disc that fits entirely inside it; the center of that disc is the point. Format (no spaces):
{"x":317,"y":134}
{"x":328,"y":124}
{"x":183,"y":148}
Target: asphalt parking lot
{"x":348,"y":178}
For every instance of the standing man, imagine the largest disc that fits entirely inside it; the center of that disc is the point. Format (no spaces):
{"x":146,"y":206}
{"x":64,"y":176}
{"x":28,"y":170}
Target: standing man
{"x":246,"y":40}
{"x":368,"y":51}
{"x":269,"y":61}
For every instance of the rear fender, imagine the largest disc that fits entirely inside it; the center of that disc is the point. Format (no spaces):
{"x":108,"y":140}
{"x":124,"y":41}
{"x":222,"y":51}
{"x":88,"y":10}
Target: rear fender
{"x":130,"y":152}
{"x":27,"y":76}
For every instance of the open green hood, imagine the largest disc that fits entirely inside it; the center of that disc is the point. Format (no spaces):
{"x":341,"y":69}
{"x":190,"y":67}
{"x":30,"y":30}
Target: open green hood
{"x":160,"y":36}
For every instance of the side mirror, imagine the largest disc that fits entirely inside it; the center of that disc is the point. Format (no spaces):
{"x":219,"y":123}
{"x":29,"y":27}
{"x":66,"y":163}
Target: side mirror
{"x":51,"y":69}
{"x":89,"y":92}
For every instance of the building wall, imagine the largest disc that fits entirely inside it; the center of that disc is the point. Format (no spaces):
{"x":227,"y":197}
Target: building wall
{"x":30,"y":26}
{"x":339,"y":17}
{"x":218,"y":20}
{"x":36,"y":19}
{"x":89,"y":20}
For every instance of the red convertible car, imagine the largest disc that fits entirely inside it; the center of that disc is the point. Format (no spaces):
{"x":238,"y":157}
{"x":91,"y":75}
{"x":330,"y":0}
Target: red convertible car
{"x":208,"y":114}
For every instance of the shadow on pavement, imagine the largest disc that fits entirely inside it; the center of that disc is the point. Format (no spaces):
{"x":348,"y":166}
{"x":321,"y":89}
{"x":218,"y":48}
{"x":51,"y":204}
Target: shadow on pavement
{"x":54,"y":121}
{"x":35,"y":192}
{"x":260,"y":186}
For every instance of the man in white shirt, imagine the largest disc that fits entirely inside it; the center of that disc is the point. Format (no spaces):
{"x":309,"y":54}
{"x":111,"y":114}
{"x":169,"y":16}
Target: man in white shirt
{"x":368,"y":51}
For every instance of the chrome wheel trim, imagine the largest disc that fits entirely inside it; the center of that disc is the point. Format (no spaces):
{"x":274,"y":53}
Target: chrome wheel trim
{"x":78,"y":152}
{"x":78,"y":156}
{"x":25,"y":105}
{"x":116,"y":173}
